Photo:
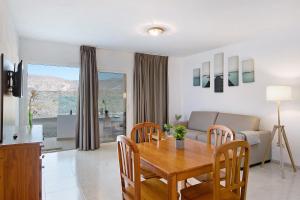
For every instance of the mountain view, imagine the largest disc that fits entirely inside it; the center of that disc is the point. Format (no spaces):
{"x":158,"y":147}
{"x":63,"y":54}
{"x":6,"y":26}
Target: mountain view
{"x":51,"y":83}
{"x":57,"y":95}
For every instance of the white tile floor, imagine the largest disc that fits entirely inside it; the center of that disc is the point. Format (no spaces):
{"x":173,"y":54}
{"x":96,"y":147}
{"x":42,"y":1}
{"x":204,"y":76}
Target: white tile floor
{"x":94,"y":175}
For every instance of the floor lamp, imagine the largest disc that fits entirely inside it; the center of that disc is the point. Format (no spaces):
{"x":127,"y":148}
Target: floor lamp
{"x":278,"y":94}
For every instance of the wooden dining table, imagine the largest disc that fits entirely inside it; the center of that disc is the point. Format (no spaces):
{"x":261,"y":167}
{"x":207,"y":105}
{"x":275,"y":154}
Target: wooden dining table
{"x":176,"y":165}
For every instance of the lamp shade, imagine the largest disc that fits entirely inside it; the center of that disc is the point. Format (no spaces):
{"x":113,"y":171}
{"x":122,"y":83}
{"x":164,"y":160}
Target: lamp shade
{"x":279,"y":93}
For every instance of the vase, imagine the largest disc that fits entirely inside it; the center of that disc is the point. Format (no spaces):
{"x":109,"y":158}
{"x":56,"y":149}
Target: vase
{"x":168,"y":133}
{"x":179,"y":144}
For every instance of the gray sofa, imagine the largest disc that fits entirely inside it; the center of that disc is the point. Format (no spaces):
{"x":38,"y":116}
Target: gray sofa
{"x":245,"y":127}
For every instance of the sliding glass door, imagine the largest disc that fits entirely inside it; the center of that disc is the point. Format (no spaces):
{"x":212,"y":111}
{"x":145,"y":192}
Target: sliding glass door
{"x":52,"y":102}
{"x":112,"y":105}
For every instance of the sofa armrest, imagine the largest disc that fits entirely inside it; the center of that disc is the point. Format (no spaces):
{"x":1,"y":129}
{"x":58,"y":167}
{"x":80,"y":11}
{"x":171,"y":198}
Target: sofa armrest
{"x":256,"y":137}
{"x":183,"y":123}
{"x":258,"y":151}
{"x":264,"y":135}
{"x":260,"y":132}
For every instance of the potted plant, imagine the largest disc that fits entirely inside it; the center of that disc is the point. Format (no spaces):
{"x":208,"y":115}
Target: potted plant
{"x":178,"y":117}
{"x":179,"y":133}
{"x":167,"y":128}
{"x":32,"y":98}
{"x":105,"y":108}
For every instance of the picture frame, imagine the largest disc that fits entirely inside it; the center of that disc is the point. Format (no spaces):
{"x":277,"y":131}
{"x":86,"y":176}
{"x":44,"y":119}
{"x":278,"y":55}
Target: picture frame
{"x":248,"y":72}
{"x":206,"y":74}
{"x":219,"y":72}
{"x":233,"y":71}
{"x":196,"y":77}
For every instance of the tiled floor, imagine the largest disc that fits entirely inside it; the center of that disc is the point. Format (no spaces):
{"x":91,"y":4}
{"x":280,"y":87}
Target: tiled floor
{"x":94,"y":175}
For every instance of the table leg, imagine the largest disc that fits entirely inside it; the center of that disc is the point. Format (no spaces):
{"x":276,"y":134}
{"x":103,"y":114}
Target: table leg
{"x":172,"y":187}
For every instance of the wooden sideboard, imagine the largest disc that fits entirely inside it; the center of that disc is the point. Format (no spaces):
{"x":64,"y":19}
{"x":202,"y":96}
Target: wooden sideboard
{"x":20,"y":165}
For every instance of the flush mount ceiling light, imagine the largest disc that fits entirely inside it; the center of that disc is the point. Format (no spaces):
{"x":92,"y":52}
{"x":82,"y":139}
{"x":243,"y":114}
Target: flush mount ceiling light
{"x":156,"y":31}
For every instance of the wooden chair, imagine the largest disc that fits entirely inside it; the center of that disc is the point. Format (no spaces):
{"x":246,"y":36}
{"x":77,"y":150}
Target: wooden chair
{"x":145,"y":132}
{"x":132,"y":186}
{"x":221,"y":135}
{"x":217,"y":135}
{"x":232,"y":157}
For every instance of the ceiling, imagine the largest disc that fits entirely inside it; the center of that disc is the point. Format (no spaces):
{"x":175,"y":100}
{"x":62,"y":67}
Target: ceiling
{"x":192,"y":25}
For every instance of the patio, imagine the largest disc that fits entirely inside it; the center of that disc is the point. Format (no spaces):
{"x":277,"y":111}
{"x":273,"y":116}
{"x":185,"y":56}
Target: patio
{"x":59,"y":132}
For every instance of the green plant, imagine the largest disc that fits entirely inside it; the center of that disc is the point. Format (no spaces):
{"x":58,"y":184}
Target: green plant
{"x":179,"y":132}
{"x":32,"y":99}
{"x":178,"y":117}
{"x":167,"y":127}
{"x":105,"y":106}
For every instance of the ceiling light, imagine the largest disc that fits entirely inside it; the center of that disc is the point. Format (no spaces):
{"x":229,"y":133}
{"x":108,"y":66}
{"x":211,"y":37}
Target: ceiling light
{"x":155,"y":31}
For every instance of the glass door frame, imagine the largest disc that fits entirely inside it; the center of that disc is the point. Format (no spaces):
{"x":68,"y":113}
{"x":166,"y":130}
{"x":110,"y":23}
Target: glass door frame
{"x":125,"y":96}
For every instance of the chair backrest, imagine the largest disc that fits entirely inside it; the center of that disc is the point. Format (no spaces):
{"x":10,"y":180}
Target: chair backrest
{"x":221,"y":135}
{"x":233,"y":159}
{"x":129,"y":161}
{"x":143,"y":132}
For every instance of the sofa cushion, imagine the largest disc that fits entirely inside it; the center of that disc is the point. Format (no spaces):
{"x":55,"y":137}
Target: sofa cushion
{"x":202,"y":136}
{"x":201,"y":120}
{"x":192,"y":134}
{"x":237,"y":122}
{"x":195,"y":135}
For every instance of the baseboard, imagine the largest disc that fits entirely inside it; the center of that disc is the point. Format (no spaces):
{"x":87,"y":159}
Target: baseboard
{"x":64,"y":139}
{"x":256,"y":164}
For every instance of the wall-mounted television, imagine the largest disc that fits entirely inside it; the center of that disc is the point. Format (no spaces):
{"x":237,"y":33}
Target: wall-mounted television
{"x":17,"y":80}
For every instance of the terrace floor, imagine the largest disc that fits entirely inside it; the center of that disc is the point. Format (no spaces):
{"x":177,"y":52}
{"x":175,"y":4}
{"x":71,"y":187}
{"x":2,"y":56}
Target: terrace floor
{"x":108,"y":133}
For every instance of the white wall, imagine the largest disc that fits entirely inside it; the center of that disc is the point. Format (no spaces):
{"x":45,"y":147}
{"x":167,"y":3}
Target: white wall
{"x":277,"y":61}
{"x":52,"y":53}
{"x":116,"y":61}
{"x":8,"y":46}
{"x":8,"y":35}
{"x":175,"y":87}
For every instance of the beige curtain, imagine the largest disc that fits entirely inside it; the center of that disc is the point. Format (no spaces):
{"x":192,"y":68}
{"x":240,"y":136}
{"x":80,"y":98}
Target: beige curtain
{"x":150,"y":88}
{"x":87,"y":115}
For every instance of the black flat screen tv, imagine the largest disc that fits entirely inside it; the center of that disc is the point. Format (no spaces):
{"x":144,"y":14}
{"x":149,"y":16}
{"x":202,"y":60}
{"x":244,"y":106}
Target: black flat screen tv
{"x":11,"y":80}
{"x":17,"y":86}
{"x":8,"y":75}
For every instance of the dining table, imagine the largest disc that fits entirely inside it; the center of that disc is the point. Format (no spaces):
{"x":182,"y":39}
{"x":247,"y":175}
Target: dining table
{"x":175,"y":165}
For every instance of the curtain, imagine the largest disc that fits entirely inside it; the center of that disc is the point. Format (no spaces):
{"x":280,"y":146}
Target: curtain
{"x":87,"y":136}
{"x":150,"y":87}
